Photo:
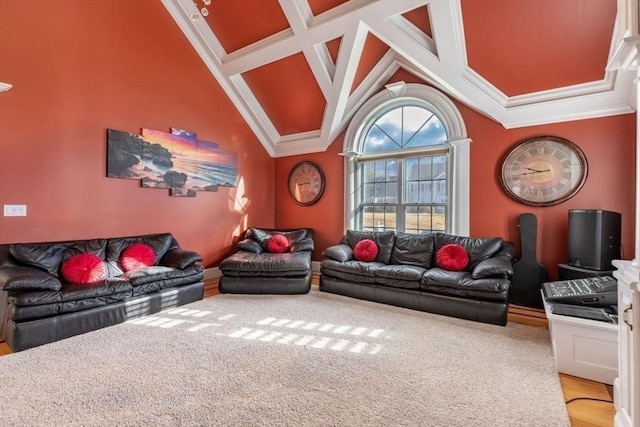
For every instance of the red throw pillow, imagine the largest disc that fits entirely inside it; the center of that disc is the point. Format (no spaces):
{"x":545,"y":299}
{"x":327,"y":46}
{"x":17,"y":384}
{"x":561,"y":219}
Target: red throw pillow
{"x":278,"y":244}
{"x":452,"y":257}
{"x":365,"y":250}
{"x":137,"y":256}
{"x":82,"y":269}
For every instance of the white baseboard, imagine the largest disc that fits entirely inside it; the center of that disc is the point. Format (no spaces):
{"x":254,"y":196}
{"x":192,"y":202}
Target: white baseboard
{"x":315,"y":265}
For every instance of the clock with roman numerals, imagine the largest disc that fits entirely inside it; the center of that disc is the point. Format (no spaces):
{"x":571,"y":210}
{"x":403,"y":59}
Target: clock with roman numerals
{"x":543,"y":171}
{"x":306,"y":183}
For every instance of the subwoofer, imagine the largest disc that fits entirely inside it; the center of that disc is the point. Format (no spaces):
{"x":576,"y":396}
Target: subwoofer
{"x":594,"y":238}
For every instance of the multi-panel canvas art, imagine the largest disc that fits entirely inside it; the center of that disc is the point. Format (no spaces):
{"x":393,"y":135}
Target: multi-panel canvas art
{"x":177,"y":160}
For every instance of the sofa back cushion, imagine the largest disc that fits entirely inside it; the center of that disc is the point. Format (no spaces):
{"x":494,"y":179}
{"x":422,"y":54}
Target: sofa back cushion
{"x":160,"y":243}
{"x":50,"y":256}
{"x":413,"y":249}
{"x":478,"y":248}
{"x":262,"y":236}
{"x":384,"y":240}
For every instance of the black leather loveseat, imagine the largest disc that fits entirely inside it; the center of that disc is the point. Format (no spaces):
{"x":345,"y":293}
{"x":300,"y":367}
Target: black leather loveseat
{"x":257,"y":269}
{"x":405,"y":273}
{"x":39,"y":305}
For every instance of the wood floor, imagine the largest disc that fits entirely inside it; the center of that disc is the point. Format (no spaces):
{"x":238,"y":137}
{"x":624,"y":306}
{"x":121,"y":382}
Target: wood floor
{"x":578,"y":392}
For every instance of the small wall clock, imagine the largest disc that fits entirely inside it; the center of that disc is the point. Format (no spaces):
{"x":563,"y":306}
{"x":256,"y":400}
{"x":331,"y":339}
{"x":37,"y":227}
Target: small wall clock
{"x":306,"y":183}
{"x":543,"y":171}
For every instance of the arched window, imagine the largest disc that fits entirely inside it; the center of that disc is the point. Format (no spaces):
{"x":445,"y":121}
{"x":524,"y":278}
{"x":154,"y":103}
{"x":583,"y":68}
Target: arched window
{"x":408,"y":163}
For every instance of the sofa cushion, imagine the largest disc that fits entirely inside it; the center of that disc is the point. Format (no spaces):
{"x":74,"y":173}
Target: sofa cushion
{"x":267,"y":264}
{"x":352,"y":271}
{"x":365,"y":250}
{"x":478,"y":248}
{"x":399,"y":276}
{"x":43,"y":256}
{"x":249,"y":245}
{"x":384,"y":240}
{"x":462,"y":280}
{"x":180,"y":258}
{"x":49,"y":256}
{"x":493,"y":267}
{"x":305,"y":244}
{"x":71,"y":293}
{"x":23,"y":278}
{"x":412,"y":249}
{"x":157,"y":277}
{"x":160,"y":243}
{"x":82,"y":269}
{"x":263,"y":236}
{"x":452,"y":257}
{"x":339,"y":252}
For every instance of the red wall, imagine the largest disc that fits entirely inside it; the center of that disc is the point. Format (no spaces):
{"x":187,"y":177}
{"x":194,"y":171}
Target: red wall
{"x":608,"y":143}
{"x":81,"y":67}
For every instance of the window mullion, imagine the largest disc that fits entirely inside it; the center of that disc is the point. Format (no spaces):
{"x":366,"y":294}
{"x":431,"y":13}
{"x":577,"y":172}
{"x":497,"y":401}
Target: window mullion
{"x":400,"y":200}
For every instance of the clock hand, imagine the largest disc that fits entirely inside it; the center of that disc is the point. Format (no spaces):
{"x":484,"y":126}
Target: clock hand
{"x":535,"y":171}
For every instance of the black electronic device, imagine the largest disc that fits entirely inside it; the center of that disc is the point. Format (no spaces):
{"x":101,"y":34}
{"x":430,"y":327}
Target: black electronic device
{"x":592,"y":313}
{"x":566,"y":272}
{"x":593,"y":238}
{"x":596,"y":291}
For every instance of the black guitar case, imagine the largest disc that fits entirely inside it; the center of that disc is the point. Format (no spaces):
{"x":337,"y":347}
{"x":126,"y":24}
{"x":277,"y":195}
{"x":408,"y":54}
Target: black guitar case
{"x":528,"y":273}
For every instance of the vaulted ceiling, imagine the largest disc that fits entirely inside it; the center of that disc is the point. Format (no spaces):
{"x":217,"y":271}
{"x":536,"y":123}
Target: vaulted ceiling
{"x":297,"y":70}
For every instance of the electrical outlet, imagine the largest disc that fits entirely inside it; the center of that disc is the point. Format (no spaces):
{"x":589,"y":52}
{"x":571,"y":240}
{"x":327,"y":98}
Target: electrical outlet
{"x":15,"y":210}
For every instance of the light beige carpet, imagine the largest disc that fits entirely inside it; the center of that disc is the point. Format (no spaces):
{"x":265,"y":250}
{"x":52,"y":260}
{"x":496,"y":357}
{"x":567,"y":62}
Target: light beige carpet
{"x":304,"y":360}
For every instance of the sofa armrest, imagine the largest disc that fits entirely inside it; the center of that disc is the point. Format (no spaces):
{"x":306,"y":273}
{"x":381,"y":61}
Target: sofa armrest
{"x":180,"y":258}
{"x":339,"y":252}
{"x":302,"y":245}
{"x":492,"y":267}
{"x":250,"y":245}
{"x":23,"y":278}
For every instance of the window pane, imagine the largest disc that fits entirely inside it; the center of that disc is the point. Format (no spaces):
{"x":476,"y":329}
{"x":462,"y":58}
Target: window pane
{"x":439,"y":167}
{"x":439,"y":218}
{"x":391,"y":124}
{"x":439,"y":191}
{"x":368,"y":193}
{"x":391,"y":193}
{"x":367,"y":218}
{"x":425,"y":171}
{"x":377,"y":141}
{"x":368,"y":174}
{"x":432,"y":132}
{"x":390,"y":218}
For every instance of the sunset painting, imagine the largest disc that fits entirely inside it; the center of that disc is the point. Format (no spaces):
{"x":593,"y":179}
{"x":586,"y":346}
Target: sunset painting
{"x":176,"y":160}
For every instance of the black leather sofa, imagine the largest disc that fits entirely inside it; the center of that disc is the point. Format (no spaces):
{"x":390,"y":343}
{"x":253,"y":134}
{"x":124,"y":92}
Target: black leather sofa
{"x":38,"y":305}
{"x":405,"y":274}
{"x":253,"y":269}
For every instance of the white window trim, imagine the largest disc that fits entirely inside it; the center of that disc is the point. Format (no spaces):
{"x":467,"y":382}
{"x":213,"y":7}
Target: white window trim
{"x":450,"y":117}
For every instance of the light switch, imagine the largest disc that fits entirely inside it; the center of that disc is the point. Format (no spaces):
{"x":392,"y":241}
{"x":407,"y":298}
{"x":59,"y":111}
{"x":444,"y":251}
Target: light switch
{"x":15,"y":210}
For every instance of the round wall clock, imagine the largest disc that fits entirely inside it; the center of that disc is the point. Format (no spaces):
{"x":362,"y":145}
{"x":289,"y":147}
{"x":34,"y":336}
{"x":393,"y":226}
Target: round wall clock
{"x":306,"y":183}
{"x":543,"y":171}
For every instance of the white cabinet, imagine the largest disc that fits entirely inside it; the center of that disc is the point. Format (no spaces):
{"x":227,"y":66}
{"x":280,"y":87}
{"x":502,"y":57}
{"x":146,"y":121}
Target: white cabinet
{"x":584,"y":348}
{"x":626,"y":387}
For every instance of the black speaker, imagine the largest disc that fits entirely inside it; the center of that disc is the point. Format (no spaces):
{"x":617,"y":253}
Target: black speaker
{"x":594,"y":238}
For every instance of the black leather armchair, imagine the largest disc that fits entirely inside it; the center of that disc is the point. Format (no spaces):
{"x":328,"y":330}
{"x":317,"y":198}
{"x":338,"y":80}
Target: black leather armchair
{"x":253,"y":269}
